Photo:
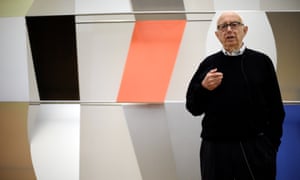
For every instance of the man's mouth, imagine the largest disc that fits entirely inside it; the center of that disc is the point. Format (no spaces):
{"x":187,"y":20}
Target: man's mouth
{"x":230,"y":37}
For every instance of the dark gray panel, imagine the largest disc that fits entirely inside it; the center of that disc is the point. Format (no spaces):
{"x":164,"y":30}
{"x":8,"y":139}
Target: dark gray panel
{"x":53,"y":46}
{"x":158,"y":5}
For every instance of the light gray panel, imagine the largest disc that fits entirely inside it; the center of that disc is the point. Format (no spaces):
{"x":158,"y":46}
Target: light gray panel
{"x":13,"y":60}
{"x":53,"y":7}
{"x":198,"y":5}
{"x":106,"y":150}
{"x":151,"y":140}
{"x":236,"y":5}
{"x":102,"y":6}
{"x":184,"y":131}
{"x":102,"y":52}
{"x":191,"y":52}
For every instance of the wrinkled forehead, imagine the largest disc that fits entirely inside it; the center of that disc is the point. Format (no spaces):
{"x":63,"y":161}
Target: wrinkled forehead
{"x":228,"y":17}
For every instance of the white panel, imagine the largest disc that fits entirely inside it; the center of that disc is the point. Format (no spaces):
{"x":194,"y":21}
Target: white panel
{"x":102,"y":53}
{"x":237,"y":5}
{"x":191,"y":52}
{"x":55,"y":141}
{"x":259,"y":37}
{"x":102,"y":6}
{"x":53,"y":7}
{"x":13,"y":60}
{"x":106,"y":149}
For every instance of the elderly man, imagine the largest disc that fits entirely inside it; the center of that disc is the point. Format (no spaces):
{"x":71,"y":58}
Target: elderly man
{"x":237,"y":91}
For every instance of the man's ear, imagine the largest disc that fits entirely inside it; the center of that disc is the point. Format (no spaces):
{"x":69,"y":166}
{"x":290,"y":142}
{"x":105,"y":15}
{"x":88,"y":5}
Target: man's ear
{"x":245,"y":30}
{"x":217,"y":34}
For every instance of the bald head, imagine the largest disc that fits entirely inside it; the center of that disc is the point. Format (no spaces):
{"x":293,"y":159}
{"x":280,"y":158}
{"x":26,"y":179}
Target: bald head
{"x":231,"y":31}
{"x":227,"y":15}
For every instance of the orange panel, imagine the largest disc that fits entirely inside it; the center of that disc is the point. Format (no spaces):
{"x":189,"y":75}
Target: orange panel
{"x":150,"y":60}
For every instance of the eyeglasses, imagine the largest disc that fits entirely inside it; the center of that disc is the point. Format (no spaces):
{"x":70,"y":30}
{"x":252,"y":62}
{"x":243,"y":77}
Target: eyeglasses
{"x":233,"y":25}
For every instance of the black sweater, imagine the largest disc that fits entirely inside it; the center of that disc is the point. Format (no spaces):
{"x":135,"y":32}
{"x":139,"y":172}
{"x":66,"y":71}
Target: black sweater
{"x":248,"y":101}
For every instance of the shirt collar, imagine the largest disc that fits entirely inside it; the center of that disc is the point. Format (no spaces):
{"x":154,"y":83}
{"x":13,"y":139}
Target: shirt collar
{"x":235,"y":53}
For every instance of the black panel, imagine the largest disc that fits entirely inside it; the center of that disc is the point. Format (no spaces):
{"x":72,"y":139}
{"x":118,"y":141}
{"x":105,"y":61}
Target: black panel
{"x":53,"y":46}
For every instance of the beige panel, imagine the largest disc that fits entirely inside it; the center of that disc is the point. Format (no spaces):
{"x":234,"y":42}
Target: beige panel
{"x":102,"y":52}
{"x":106,"y":150}
{"x":14,"y":7}
{"x":191,"y":52}
{"x":286,"y":27}
{"x":15,"y":159}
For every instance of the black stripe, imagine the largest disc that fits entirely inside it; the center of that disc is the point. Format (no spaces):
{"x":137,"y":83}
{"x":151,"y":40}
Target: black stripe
{"x":53,"y":46}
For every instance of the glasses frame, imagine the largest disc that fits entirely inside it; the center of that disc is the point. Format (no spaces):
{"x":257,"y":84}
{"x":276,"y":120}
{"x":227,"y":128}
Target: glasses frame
{"x":233,"y":25}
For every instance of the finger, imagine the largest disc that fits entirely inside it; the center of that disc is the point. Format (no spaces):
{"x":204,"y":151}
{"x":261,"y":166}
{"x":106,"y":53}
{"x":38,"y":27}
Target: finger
{"x":213,"y":70}
{"x":216,"y":75}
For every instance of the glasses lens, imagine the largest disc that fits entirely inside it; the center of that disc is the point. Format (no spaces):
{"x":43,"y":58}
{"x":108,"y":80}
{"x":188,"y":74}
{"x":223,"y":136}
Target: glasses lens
{"x":224,"y":27}
{"x":234,"y":24}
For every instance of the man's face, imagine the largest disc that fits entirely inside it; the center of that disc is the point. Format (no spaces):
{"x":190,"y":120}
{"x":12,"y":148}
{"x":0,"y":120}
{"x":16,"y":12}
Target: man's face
{"x":231,"y":31}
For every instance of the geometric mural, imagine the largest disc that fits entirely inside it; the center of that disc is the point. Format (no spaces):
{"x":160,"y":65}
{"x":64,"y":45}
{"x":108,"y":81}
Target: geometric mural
{"x":109,"y":80}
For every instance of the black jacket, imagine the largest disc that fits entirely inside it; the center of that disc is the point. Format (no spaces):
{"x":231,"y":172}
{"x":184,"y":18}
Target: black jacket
{"x":248,"y":101}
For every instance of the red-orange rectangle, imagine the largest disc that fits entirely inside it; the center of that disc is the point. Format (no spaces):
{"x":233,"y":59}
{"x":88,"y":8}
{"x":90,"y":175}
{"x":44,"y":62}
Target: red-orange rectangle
{"x":150,"y":60}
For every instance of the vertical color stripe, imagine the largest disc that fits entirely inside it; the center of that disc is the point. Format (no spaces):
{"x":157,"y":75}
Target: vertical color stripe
{"x":150,"y":60}
{"x":54,"y":53}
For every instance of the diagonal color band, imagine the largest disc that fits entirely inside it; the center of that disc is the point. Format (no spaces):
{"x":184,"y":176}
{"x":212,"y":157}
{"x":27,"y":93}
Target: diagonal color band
{"x":150,"y":60}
